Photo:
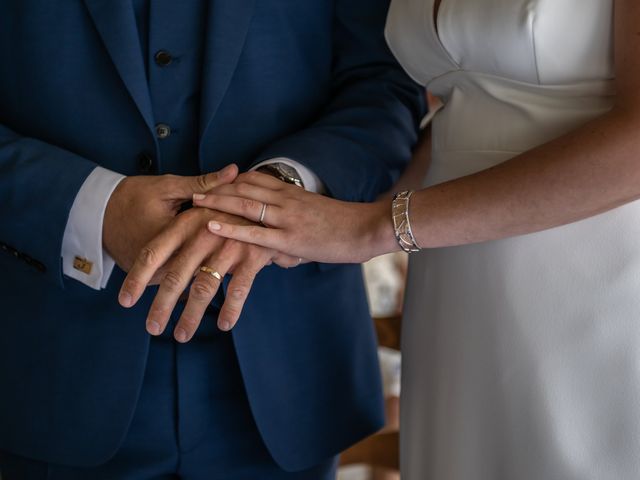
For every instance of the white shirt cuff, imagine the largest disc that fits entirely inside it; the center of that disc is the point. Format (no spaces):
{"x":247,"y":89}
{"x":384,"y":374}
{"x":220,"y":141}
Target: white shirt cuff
{"x":310,"y":180}
{"x":83,"y":256}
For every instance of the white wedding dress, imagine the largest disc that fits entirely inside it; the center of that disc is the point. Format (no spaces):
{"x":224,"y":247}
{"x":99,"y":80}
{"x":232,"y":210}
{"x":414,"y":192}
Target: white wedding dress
{"x":521,"y":357}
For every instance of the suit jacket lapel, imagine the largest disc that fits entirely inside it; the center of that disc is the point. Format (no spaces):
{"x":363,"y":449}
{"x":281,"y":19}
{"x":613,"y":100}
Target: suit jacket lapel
{"x":116,"y":24}
{"x":227,"y":28}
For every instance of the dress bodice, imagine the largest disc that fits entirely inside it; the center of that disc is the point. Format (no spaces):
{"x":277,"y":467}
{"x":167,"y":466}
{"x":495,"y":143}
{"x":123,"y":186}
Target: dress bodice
{"x":536,"y":69}
{"x":540,"y":42}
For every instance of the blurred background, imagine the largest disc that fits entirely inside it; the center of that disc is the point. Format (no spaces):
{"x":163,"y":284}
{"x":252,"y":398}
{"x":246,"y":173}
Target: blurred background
{"x":376,"y":458}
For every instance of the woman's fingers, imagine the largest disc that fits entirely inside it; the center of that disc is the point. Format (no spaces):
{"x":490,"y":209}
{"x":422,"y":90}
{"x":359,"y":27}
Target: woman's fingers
{"x":261,"y":179}
{"x":253,"y":210}
{"x":286,"y":261}
{"x":265,"y":237}
{"x":251,"y":192}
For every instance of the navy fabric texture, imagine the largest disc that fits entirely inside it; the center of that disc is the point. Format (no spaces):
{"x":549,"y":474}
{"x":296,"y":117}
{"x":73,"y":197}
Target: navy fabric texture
{"x":312,"y":80}
{"x":192,"y":422}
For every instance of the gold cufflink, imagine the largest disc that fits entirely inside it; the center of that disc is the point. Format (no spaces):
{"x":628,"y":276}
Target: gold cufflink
{"x":83,"y":265}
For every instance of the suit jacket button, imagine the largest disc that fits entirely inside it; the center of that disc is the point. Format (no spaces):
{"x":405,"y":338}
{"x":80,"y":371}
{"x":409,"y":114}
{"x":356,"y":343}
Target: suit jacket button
{"x":163,"y":130}
{"x":163,"y":58}
{"x":145,"y":163}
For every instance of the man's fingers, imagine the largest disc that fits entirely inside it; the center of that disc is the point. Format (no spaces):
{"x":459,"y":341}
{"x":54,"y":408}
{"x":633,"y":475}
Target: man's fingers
{"x":265,"y":237}
{"x":203,"y":289}
{"x":204,"y":183}
{"x":179,"y":273}
{"x":252,"y":210}
{"x":237,"y":293}
{"x":150,"y":259}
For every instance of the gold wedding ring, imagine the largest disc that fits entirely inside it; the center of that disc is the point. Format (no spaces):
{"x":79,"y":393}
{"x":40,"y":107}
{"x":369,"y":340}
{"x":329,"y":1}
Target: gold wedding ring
{"x":211,"y":272}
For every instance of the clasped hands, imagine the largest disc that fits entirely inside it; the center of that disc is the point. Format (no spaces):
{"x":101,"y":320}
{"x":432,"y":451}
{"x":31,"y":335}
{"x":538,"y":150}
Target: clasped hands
{"x":148,"y":237}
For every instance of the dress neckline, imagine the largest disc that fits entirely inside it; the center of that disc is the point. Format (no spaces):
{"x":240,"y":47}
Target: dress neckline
{"x":433,"y":21}
{"x":436,"y":11}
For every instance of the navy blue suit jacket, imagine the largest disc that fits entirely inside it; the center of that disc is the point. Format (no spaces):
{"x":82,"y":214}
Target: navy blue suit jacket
{"x":307,"y":79}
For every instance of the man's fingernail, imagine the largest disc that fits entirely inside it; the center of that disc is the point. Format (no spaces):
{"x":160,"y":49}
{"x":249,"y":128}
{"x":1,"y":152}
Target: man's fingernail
{"x":225,"y":326}
{"x":180,"y":335}
{"x":125,"y":299}
{"x":199,"y":196}
{"x":153,"y":327}
{"x":214,"y":227}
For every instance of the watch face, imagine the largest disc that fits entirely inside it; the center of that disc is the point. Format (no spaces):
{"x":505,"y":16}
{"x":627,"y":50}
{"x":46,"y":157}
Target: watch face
{"x":288,"y":170}
{"x":288,"y":174}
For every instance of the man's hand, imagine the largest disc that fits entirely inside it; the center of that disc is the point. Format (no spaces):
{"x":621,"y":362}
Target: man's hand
{"x":141,"y":207}
{"x":180,"y":250}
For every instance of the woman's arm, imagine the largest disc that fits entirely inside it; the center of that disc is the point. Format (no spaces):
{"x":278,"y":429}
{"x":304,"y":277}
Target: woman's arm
{"x":587,"y":172}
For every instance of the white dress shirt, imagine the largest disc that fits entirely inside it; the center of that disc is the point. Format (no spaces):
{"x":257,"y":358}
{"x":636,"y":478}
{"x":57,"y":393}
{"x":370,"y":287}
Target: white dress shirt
{"x":82,"y":240}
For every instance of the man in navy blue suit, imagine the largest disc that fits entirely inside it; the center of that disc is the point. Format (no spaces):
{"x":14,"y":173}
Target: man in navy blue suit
{"x":111,"y":114}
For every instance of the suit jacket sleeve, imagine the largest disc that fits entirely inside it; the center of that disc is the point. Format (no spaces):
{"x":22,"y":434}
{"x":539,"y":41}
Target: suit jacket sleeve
{"x":38,"y":184}
{"x":363,"y":138}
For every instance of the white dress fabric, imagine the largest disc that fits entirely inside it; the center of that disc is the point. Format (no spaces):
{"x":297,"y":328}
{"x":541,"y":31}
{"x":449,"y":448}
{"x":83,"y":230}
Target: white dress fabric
{"x":521,"y":357}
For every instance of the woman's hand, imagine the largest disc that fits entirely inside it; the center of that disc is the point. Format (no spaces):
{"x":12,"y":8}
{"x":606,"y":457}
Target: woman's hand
{"x":300,"y":223}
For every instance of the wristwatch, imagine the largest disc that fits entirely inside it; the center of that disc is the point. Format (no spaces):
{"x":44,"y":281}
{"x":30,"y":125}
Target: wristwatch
{"x":283,"y":172}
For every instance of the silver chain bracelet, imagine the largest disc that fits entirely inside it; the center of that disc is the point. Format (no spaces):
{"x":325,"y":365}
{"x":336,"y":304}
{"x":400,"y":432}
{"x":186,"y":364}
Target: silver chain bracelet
{"x":401,"y":223}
